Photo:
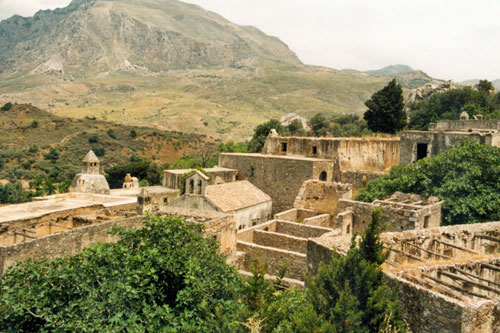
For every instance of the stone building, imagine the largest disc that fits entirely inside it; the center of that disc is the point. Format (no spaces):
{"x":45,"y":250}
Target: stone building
{"x":281,"y":177}
{"x":444,"y":134}
{"x":447,"y":278}
{"x":90,"y":180}
{"x":173,"y":178}
{"x":400,"y":212}
{"x":248,"y":204}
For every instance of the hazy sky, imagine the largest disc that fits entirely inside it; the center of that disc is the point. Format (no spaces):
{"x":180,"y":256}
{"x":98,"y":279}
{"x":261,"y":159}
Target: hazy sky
{"x":448,"y":39}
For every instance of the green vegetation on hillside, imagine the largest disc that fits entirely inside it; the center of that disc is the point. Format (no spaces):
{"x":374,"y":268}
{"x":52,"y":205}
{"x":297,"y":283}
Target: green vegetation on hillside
{"x":165,"y":277}
{"x":54,"y":148}
{"x":465,"y":177}
{"x":450,"y":104}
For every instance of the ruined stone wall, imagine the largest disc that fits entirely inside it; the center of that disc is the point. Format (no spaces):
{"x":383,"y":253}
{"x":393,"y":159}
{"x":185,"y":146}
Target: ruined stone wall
{"x":279,"y":177}
{"x":358,"y":179}
{"x":63,"y":244}
{"x":246,"y":235}
{"x":465,"y":125}
{"x":280,"y":241}
{"x":396,"y":217}
{"x":295,"y":214}
{"x":274,"y":258}
{"x":437,"y":142}
{"x":299,"y":229}
{"x":369,"y":154}
{"x":173,"y":179}
{"x":322,"y":197}
{"x":322,"y":220}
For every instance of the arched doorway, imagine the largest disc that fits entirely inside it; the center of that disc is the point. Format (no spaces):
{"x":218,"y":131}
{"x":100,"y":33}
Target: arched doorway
{"x":322,"y":176}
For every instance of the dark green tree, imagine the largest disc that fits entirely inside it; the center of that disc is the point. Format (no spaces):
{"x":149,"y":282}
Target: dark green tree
{"x":296,"y":128}
{"x":261,"y":132}
{"x":319,"y":124}
{"x":485,"y":86}
{"x":350,"y":292}
{"x":386,"y":109}
{"x":141,"y":168}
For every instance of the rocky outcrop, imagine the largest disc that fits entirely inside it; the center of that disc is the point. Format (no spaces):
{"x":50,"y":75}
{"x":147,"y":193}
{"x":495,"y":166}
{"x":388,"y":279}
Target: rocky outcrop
{"x":430,"y":89}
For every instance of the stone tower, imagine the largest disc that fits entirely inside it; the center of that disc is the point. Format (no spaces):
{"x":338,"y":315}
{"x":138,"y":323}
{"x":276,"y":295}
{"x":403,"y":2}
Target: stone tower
{"x":90,"y":180}
{"x":90,"y":164}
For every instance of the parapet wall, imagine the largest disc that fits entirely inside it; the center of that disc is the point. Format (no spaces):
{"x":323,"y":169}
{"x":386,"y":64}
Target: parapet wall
{"x":465,"y":125}
{"x":368,"y":154}
{"x":64,"y":244}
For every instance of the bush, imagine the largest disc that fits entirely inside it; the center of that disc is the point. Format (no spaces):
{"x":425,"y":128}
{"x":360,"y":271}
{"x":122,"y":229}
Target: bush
{"x":52,"y":155}
{"x":465,"y":177}
{"x":111,"y":133}
{"x":93,"y":138}
{"x":133,"y":134}
{"x":163,"y":277}
{"x":6,"y":107}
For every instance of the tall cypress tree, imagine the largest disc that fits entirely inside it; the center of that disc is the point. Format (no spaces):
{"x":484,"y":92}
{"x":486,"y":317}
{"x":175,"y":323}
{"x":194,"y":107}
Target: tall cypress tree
{"x":386,"y":109}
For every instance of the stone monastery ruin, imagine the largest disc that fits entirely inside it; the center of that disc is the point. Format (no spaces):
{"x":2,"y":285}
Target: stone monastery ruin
{"x":293,"y":204}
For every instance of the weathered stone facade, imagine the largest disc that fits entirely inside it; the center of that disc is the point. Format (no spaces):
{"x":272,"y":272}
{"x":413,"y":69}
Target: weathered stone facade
{"x":281,"y":177}
{"x":367,"y":154}
{"x":400,"y":212}
{"x":322,"y":197}
{"x":444,"y":135}
{"x":447,"y":278}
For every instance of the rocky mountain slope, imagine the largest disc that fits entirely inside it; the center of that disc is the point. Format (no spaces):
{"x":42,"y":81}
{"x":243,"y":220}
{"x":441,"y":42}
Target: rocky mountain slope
{"x":169,"y":65}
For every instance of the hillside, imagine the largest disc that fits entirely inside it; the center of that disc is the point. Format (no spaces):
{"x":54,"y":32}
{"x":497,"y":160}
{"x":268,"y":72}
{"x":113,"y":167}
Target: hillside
{"x":27,"y":134}
{"x":473,"y":82}
{"x":170,"y":65}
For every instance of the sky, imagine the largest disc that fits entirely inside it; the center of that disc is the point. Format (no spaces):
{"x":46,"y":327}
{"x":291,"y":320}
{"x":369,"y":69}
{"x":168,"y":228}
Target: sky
{"x":447,"y":39}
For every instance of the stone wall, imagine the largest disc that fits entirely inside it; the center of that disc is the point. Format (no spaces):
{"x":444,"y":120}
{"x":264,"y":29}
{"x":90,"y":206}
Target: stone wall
{"x":299,"y":230}
{"x":253,"y":215}
{"x":280,"y":241}
{"x":358,"y":179}
{"x":274,"y":258}
{"x":438,"y":142}
{"x":172,"y":178}
{"x":465,"y":125}
{"x":280,"y":177}
{"x":63,"y":244}
{"x":322,"y":220}
{"x":322,"y":197}
{"x":295,"y":214}
{"x":396,"y":216}
{"x":369,"y":154}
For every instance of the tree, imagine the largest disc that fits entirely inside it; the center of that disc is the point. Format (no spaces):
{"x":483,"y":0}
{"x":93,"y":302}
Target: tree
{"x":319,"y":124}
{"x":164,"y":277}
{"x":261,"y":132}
{"x":469,"y":187}
{"x":350,"y":292}
{"x":386,"y":109}
{"x":140,"y":168}
{"x":296,"y":128}
{"x":485,"y":86}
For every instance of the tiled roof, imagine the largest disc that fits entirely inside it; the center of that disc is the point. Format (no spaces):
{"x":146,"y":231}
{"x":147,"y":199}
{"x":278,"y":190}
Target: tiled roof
{"x":235,"y":195}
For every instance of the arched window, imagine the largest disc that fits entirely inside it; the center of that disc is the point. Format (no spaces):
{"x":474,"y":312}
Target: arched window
{"x":200,"y":184}
{"x":322,"y":176}
{"x":191,"y":186}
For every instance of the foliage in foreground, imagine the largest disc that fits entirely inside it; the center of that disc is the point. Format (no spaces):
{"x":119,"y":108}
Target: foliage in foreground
{"x":465,"y":177}
{"x":164,"y":277}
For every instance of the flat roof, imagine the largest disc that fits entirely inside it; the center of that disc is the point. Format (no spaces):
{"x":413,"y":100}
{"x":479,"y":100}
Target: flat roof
{"x":283,"y":157}
{"x":58,"y":203}
{"x":207,"y":170}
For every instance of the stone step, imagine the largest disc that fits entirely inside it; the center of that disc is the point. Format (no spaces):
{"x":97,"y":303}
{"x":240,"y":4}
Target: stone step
{"x":285,"y":282}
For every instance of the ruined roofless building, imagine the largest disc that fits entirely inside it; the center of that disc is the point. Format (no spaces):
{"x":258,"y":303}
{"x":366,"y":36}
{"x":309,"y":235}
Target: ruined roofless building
{"x":90,"y":180}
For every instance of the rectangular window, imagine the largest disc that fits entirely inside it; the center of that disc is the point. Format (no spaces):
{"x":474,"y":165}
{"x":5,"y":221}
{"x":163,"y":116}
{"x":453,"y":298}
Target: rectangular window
{"x":284,"y":147}
{"x":421,"y":150}
{"x":315,"y":150}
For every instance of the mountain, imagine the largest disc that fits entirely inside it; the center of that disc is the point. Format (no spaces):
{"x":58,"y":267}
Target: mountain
{"x":153,"y":35}
{"x":169,"y":65}
{"x":388,"y":70}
